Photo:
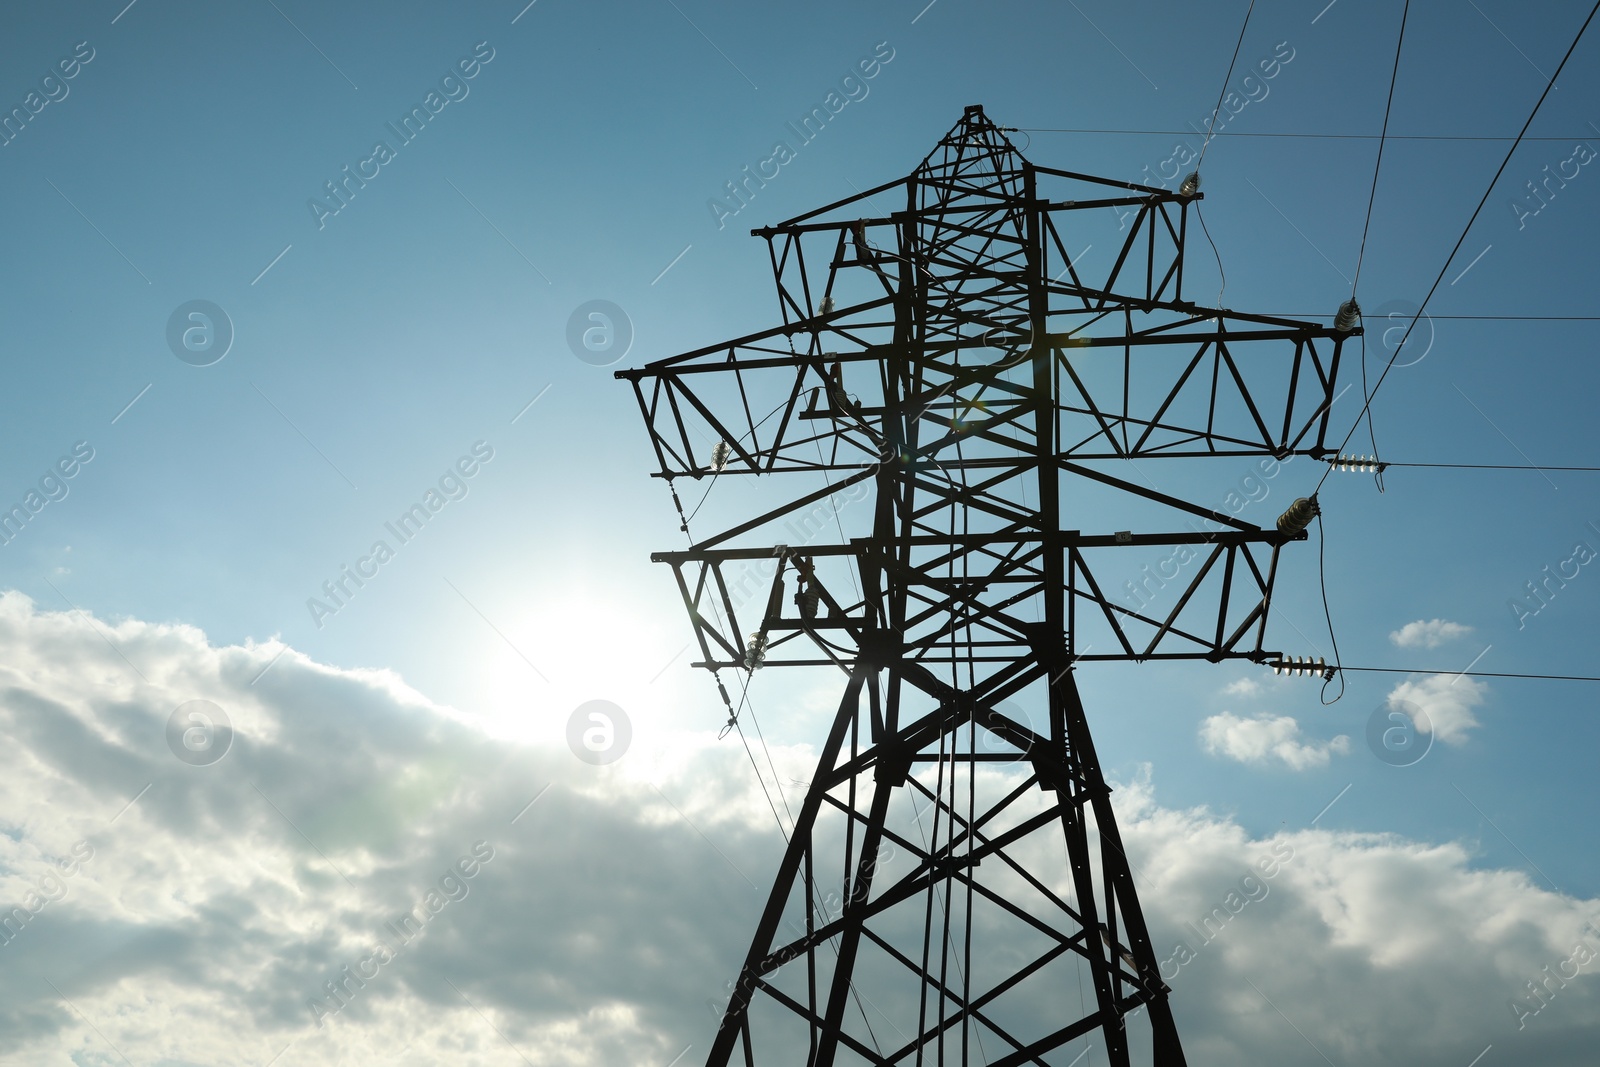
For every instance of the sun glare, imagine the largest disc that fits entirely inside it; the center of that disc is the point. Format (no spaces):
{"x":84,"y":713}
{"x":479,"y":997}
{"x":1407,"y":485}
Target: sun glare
{"x":575,"y":646}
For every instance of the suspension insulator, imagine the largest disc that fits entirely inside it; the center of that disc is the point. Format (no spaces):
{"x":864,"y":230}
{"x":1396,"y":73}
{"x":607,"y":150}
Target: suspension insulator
{"x":1360,"y":464}
{"x":826,"y":307}
{"x":1190,"y":185}
{"x":807,"y":596}
{"x":719,"y":455}
{"x":755,"y":656}
{"x":1347,"y":318}
{"x":1299,"y":515}
{"x":1301,"y":667}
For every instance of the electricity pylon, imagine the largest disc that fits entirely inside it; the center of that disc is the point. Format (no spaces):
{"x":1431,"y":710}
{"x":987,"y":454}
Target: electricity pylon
{"x":955,"y":871}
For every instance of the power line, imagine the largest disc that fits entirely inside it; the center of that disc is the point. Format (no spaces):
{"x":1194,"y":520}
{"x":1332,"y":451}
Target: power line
{"x":1361,"y":257}
{"x":1366,"y":406}
{"x":1448,"y":318}
{"x":1480,"y":674}
{"x":1383,"y":137}
{"x":1491,"y":466}
{"x":1308,"y":136}
{"x":1211,"y":125}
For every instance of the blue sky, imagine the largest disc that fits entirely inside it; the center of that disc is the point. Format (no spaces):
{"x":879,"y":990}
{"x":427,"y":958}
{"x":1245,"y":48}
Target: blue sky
{"x":374,"y":348}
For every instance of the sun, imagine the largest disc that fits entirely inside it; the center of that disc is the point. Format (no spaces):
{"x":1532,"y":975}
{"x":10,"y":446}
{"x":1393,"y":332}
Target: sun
{"x":579,"y":644}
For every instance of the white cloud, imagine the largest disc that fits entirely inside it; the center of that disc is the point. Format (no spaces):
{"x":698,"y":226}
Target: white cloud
{"x":1266,"y":737}
{"x":216,"y":906}
{"x":1447,"y":701}
{"x":1429,"y":633}
{"x":1416,"y":940}
{"x":1242,"y":687}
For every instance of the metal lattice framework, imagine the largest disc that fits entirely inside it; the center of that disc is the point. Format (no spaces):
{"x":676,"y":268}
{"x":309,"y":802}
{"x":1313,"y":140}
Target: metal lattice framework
{"x":951,"y":362}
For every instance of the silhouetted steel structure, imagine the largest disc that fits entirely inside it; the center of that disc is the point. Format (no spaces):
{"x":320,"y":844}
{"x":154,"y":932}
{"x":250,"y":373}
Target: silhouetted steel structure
{"x":993,"y":404}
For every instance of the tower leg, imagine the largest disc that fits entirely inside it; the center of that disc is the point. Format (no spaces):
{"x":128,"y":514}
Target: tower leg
{"x":761,"y":960}
{"x":898,"y":950}
{"x":1121,"y":900}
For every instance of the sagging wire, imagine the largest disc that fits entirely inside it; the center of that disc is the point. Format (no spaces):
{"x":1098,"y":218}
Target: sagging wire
{"x":767,"y":752}
{"x":734,"y":724}
{"x":716,"y":469}
{"x":1222,"y":274}
{"x":1377,"y":464}
{"x":744,"y":696}
{"x":1322,"y":569}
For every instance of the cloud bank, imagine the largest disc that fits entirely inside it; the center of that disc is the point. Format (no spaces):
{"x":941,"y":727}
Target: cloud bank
{"x":196,"y":914}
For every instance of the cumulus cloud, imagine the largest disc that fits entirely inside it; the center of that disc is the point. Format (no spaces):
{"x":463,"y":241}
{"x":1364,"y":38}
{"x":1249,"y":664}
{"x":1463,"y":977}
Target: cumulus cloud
{"x":193,"y":914}
{"x":1446,"y":701}
{"x":221,"y":905}
{"x":1242,"y":687}
{"x":1430,"y":633}
{"x":1430,"y":951}
{"x":1265,"y":737}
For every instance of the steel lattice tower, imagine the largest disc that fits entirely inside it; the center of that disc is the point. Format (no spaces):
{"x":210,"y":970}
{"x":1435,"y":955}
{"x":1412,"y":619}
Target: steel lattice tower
{"x":951,"y":360}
